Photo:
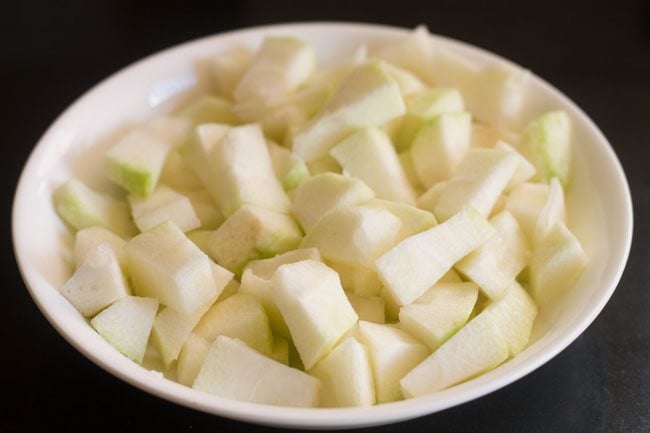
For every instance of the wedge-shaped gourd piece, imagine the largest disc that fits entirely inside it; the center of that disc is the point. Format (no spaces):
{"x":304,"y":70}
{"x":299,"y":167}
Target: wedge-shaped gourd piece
{"x":414,"y":220}
{"x":87,"y":240}
{"x":358,"y":280}
{"x":256,"y":281}
{"x":355,"y":235}
{"x":368,"y":154}
{"x":393,"y":353}
{"x":314,"y":306}
{"x":177,"y":174}
{"x":368,"y":308}
{"x":126,"y":325}
{"x":423,"y":106}
{"x":478,"y":347}
{"x":243,"y":172}
{"x":240,"y":316}
{"x":496,"y":263}
{"x":97,"y":283}
{"x":553,"y":211}
{"x":290,"y":169}
{"x":210,"y":109}
{"x":171,"y":329}
{"x":525,"y":203}
{"x":418,"y":262}
{"x":367,"y":97}
{"x":444,"y":311}
{"x":525,"y":170}
{"x":136,"y":161}
{"x":514,"y":315}
{"x":251,"y":233}
{"x":478,"y":182}
{"x":228,"y":67}
{"x":82,"y":207}
{"x":348,"y":374}
{"x":546,"y":142}
{"x":196,"y":152}
{"x":499,"y":94}
{"x":206,"y":210}
{"x":233,"y":370}
{"x":191,"y":359}
{"x":556,"y":263}
{"x":164,"y":204}
{"x":321,"y":193}
{"x":440,"y":145}
{"x":280,"y":66}
{"x":166,"y":265}
{"x":415,"y":53}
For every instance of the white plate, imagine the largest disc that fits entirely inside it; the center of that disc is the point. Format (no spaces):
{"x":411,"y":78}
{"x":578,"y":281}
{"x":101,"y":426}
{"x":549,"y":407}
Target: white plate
{"x":599,"y":205}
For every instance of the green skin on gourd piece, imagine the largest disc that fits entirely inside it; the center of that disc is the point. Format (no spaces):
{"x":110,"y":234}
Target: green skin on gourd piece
{"x":546,"y":143}
{"x":131,"y":178}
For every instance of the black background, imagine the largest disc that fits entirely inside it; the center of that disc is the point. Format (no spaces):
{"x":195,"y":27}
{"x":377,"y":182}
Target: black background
{"x":598,"y":53}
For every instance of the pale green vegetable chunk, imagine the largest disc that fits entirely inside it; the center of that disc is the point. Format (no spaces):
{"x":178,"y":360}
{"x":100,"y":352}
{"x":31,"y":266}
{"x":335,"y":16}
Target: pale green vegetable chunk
{"x":416,"y":263}
{"x":126,"y":325}
{"x":347,"y":375}
{"x":136,"y":161}
{"x":164,"y":204}
{"x":546,"y":142}
{"x":252,"y":233}
{"x":354,"y":235}
{"x":310,"y":297}
{"x":495,"y":264}
{"x":439,"y":146}
{"x":256,"y":281}
{"x":367,"y":97}
{"x":514,"y":314}
{"x":87,"y":240}
{"x":233,"y":370}
{"x":443,"y":310}
{"x":278,"y":68}
{"x":323,"y":192}
{"x":82,"y":207}
{"x":393,"y":353}
{"x":191,"y":359}
{"x":478,"y":347}
{"x":96,"y":283}
{"x":556,"y":263}
{"x":478,"y":182}
{"x":242,"y":172}
{"x":369,"y":155}
{"x":166,"y":265}
{"x":240,"y":316}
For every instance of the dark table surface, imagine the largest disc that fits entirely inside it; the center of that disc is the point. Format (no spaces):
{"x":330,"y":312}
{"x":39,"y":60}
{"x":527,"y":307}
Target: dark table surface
{"x":598,"y":53}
